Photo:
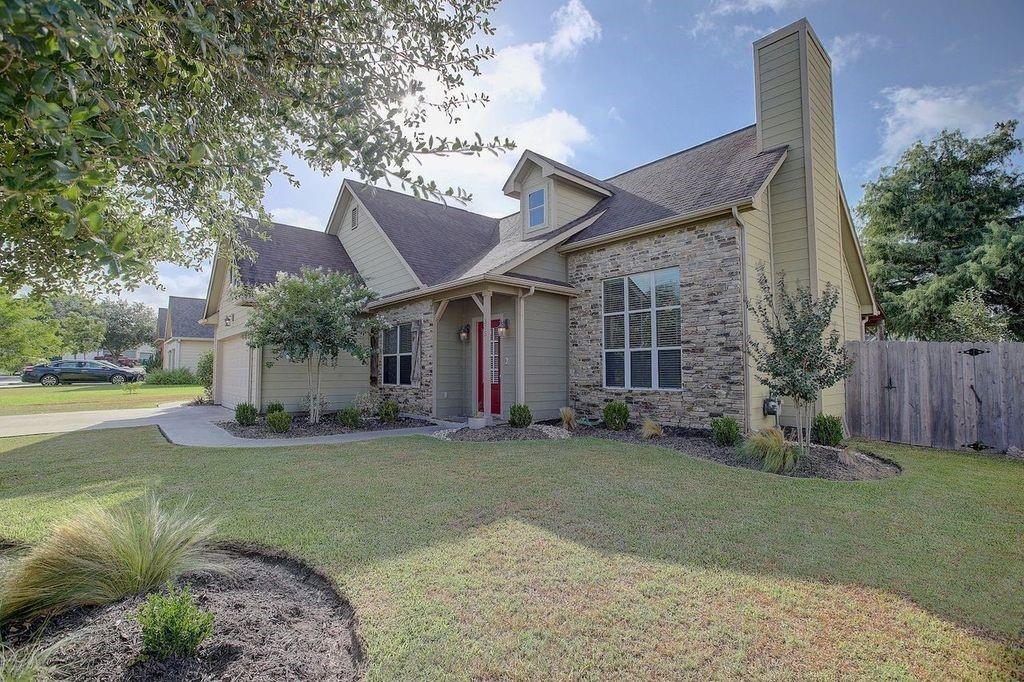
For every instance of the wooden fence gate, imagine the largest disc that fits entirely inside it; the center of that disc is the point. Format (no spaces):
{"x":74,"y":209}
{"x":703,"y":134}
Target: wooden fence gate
{"x":944,"y":395}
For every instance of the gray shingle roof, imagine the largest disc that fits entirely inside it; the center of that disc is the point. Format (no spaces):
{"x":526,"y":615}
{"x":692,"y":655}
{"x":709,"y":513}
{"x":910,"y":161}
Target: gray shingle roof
{"x":728,"y":168}
{"x":289,"y":249}
{"x":161,"y":323}
{"x":437,"y":241}
{"x":184,"y":315}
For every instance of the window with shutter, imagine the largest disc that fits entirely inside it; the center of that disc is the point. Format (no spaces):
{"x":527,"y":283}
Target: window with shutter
{"x":642,"y":316}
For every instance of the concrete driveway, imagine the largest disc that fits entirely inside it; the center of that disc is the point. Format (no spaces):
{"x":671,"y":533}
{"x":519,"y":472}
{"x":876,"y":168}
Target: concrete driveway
{"x":182,"y":425}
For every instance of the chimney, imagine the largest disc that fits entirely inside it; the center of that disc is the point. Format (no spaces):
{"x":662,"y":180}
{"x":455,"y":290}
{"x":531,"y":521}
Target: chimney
{"x":793,"y":94}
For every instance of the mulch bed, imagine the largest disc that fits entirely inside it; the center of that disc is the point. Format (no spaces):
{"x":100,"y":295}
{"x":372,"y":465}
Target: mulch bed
{"x":275,"y":618}
{"x":821,"y":462}
{"x":328,"y":426}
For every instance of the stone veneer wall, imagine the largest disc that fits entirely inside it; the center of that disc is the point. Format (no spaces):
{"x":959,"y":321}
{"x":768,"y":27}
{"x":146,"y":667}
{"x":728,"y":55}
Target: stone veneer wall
{"x":708,"y":258}
{"x":419,"y":397}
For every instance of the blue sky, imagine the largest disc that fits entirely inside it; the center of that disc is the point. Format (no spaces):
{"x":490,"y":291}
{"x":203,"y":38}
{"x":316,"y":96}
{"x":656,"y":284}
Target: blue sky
{"x":606,"y":85}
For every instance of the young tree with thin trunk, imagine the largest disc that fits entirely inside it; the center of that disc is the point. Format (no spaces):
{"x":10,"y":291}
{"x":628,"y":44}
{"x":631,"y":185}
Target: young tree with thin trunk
{"x":311,"y":318}
{"x":801,"y":356}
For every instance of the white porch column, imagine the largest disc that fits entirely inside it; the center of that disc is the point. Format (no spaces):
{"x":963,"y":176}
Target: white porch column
{"x":485,"y":355}
{"x":521,"y":349}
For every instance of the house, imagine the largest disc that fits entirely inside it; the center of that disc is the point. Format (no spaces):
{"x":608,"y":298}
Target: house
{"x":629,"y":288}
{"x":184,"y":337}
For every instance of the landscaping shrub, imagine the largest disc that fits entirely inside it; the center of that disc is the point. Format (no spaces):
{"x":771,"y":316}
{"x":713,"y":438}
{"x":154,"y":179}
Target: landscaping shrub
{"x":172,"y":624}
{"x":155,"y":362}
{"x":651,"y":429}
{"x":102,"y":555}
{"x":279,"y":422}
{"x":367,"y":403}
{"x":769,"y":447}
{"x":274,"y":407}
{"x":182,"y":376}
{"x":246,"y":414}
{"x":30,"y":662}
{"x":725,"y":431}
{"x":519,"y":416}
{"x":827,"y":430}
{"x":204,"y":372}
{"x":388,"y":411}
{"x":349,"y":417}
{"x":568,"y":416}
{"x":616,"y":416}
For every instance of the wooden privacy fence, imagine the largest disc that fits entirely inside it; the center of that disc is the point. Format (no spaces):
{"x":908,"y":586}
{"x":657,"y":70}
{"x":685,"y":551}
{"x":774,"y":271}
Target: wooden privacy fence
{"x":944,"y":395}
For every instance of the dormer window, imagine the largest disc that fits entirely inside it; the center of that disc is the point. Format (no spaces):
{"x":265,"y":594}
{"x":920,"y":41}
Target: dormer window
{"x":355,"y":217}
{"x":537,"y":205}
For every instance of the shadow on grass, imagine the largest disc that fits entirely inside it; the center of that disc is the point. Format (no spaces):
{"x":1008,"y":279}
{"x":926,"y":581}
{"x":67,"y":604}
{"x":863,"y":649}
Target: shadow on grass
{"x":945,"y":534}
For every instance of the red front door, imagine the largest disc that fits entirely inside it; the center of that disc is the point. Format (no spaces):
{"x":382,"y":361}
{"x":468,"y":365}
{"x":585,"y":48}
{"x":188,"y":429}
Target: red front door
{"x":488,"y":364}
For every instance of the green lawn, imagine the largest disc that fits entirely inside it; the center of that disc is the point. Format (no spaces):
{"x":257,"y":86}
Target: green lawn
{"x":78,"y":397}
{"x":594,"y":559}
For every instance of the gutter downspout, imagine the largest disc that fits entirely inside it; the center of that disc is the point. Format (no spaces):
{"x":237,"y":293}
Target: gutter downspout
{"x":745,"y":318}
{"x":521,"y":345}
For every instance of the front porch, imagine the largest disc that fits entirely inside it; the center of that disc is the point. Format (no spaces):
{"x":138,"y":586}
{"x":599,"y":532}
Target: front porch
{"x":467,"y":368}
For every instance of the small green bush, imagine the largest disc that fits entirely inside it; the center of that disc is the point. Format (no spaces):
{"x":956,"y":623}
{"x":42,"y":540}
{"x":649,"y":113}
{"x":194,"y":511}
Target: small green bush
{"x":827,"y":429}
{"x":172,"y":624}
{"x":519,"y":416}
{"x":182,"y":376}
{"x":725,"y":431}
{"x":279,"y":422}
{"x":102,"y":555}
{"x":274,"y":407}
{"x":349,"y":417}
{"x":388,"y":411}
{"x":246,"y":414}
{"x":769,"y":448}
{"x":616,"y":416}
{"x":204,"y":372}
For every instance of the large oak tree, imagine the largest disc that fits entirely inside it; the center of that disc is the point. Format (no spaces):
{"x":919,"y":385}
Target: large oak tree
{"x":136,"y":132}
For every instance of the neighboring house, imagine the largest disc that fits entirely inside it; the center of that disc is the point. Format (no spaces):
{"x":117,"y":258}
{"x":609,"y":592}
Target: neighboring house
{"x":184,"y":337}
{"x":140,"y":353}
{"x":629,"y":288}
{"x":161,"y":325}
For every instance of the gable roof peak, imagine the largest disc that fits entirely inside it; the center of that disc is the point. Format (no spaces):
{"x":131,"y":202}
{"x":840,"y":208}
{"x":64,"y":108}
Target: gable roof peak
{"x":551,"y":168}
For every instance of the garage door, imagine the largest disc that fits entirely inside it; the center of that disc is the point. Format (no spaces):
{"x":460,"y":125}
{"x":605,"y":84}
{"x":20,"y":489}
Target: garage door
{"x":233,"y":356}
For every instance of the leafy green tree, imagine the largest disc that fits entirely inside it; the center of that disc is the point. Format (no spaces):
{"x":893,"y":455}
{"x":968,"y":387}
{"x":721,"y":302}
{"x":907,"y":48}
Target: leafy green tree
{"x":311,"y":318}
{"x":204,"y":373}
{"x":128,"y":325}
{"x":80,"y":333}
{"x":802,"y":354}
{"x":971,"y":319}
{"x":939,"y":223}
{"x":26,"y":333}
{"x":136,"y":132}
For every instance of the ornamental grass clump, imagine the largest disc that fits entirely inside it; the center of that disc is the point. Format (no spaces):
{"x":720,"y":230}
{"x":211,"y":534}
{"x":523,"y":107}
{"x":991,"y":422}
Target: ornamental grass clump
{"x":769,"y":448}
{"x":651,"y":429}
{"x":568,"y":417}
{"x":173,"y":625}
{"x":102,"y":555}
{"x":616,"y":416}
{"x":29,"y":663}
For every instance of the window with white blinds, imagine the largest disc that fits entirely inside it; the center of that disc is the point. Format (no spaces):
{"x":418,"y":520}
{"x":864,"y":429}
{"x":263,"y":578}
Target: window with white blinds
{"x":642,"y":331}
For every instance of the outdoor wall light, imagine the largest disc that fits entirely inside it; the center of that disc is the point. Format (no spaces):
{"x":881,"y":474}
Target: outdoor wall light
{"x":503,"y":327}
{"x":228,"y":319}
{"x":464,"y":333}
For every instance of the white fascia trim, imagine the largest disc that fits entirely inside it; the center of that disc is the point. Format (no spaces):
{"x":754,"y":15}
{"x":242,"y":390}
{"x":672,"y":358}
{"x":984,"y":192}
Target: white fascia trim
{"x":771,"y":176}
{"x":470,"y":281}
{"x":217,"y":264}
{"x":189,"y":338}
{"x":547,"y":170}
{"x":856,"y":244}
{"x":577,"y":180}
{"x":657,"y":225}
{"x":544,"y":246}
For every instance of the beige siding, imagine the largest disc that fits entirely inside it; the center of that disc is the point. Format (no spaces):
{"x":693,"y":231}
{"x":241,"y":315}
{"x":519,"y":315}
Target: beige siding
{"x":549,"y":265}
{"x":546,"y":354}
{"x":230,"y":309}
{"x":234,"y":370}
{"x":780,"y":103}
{"x":372,"y":253}
{"x":286,"y":382}
{"x":570,"y":202}
{"x":757,"y":242}
{"x":452,"y":361}
{"x":185,"y":353}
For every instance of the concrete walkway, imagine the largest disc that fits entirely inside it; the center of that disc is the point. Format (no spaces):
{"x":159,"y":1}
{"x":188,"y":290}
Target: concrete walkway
{"x":181,"y":425}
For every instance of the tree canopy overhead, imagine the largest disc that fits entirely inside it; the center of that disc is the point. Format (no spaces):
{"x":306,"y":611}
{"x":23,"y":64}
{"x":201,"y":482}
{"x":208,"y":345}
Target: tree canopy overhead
{"x":136,"y":132}
{"x":942,"y":222}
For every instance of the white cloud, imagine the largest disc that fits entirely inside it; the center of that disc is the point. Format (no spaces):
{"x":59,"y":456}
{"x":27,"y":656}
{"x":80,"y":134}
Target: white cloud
{"x":613,"y":114}
{"x":516,"y":74}
{"x":912,"y":114}
{"x":707,"y":21}
{"x":176,"y":281}
{"x":574,"y":26}
{"x":846,"y":49}
{"x":297,"y":217}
